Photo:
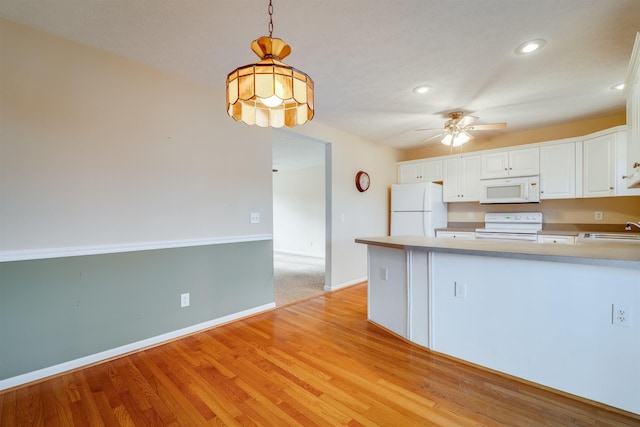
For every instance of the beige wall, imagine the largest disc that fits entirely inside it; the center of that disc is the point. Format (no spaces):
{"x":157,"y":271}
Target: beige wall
{"x":354,"y":214}
{"x":550,"y":133}
{"x":99,"y":150}
{"x":96,"y":149}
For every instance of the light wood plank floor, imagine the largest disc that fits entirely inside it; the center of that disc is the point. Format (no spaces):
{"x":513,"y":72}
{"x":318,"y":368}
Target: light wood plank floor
{"x":318,"y":362}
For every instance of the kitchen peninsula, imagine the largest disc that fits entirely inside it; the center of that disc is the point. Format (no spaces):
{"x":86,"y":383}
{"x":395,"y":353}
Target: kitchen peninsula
{"x":541,"y":312}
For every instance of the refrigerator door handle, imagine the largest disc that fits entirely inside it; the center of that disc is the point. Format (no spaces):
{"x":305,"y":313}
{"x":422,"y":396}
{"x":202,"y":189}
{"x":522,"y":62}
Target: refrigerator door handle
{"x":425,"y":199}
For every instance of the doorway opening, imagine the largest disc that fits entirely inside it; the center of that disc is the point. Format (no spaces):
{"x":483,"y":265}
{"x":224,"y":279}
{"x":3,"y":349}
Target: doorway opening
{"x":301,"y":194}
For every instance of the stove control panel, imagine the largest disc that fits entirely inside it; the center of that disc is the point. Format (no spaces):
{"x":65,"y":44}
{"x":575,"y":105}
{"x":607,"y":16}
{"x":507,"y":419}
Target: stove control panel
{"x":514,"y":218}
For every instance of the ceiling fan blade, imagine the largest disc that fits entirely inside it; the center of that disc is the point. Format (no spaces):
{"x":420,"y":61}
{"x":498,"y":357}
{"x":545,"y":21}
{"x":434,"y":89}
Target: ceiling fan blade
{"x":415,"y":130}
{"x":466,"y":121}
{"x":432,"y":138}
{"x":490,"y":126}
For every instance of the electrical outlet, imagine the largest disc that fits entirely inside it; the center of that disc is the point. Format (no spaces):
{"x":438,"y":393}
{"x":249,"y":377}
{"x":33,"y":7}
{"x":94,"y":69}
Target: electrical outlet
{"x":597,"y":215}
{"x":621,"y":315}
{"x":255,"y":218}
{"x":184,"y":300}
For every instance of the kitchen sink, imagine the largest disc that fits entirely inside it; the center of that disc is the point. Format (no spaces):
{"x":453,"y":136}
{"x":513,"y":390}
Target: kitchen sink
{"x":617,"y":237}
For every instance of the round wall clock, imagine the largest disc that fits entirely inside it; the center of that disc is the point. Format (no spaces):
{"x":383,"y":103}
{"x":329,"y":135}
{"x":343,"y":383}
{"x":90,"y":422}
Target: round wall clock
{"x":362,"y":181}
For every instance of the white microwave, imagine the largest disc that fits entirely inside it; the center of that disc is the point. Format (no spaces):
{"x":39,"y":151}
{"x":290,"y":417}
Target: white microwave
{"x":524,"y":189}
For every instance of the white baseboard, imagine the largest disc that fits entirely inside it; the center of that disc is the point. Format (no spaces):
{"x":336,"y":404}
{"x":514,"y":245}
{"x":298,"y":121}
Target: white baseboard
{"x":129,"y":348}
{"x":330,"y":288}
{"x":310,"y":255}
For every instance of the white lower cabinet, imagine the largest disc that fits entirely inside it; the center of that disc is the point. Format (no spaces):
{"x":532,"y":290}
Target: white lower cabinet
{"x":564,"y":240}
{"x":460,"y":235}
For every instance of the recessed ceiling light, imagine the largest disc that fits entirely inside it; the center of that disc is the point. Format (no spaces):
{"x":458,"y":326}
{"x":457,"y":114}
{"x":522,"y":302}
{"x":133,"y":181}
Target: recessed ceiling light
{"x":530,"y":46}
{"x":421,"y":89}
{"x":619,"y":86}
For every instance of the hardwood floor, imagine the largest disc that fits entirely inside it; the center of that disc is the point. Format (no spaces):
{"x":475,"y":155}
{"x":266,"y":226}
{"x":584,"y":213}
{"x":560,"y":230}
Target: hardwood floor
{"x":318,"y":362}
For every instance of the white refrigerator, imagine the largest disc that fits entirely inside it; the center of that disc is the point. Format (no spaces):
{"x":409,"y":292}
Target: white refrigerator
{"x":417,"y":209}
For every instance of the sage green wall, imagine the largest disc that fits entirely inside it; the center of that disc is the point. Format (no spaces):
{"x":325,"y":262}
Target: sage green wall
{"x":61,"y":309}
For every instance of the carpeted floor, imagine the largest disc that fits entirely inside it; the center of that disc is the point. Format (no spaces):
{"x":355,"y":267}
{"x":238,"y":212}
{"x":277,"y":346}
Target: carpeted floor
{"x":297,"y":277}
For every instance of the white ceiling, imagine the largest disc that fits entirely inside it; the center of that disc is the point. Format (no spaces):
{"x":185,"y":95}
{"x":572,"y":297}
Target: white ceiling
{"x":365,"y":56}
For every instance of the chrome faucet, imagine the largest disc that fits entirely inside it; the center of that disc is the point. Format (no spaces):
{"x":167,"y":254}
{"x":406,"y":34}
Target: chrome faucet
{"x":629,"y":224}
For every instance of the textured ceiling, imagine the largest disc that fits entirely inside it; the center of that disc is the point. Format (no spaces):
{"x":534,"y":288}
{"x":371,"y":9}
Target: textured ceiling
{"x":365,"y":56}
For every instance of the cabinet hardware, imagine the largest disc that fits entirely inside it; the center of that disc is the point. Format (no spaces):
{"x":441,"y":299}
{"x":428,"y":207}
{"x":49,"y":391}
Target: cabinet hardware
{"x":636,"y":164}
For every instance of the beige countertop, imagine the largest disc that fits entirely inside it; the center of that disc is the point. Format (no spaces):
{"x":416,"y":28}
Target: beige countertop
{"x":623,"y":254}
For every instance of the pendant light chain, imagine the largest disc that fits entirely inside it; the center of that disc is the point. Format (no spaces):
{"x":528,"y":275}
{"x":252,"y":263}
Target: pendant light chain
{"x":270,"y":19}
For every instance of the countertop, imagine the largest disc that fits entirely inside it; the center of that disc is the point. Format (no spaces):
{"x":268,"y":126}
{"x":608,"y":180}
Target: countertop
{"x":622,"y":254}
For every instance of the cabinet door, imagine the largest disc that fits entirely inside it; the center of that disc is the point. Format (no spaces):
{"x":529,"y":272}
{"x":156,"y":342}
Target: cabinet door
{"x":598,"y":157}
{"x":632,"y":86}
{"x":428,"y":171}
{"x":495,"y":165}
{"x":470,"y":185}
{"x":452,"y":177}
{"x":524,"y":162}
{"x":621,"y":167}
{"x":432,"y":171}
{"x":558,"y":171}
{"x":511,"y":163}
{"x":409,"y":173}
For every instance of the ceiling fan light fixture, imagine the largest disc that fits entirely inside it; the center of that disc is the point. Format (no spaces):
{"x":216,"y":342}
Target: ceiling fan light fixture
{"x":455,"y":139}
{"x":619,"y":86}
{"x":530,"y":46}
{"x":270,"y":93}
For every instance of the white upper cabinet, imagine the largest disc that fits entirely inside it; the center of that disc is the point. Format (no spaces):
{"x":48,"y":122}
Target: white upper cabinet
{"x":594,"y":165}
{"x":511,"y":163}
{"x":558,"y":171}
{"x":632,"y":89}
{"x":598,"y":166}
{"x":604,"y":165}
{"x":425,"y":171}
{"x":461,"y":181}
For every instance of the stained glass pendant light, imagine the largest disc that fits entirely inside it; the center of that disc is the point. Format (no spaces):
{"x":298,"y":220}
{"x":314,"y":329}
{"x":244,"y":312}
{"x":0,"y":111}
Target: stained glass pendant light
{"x":270,"y":93}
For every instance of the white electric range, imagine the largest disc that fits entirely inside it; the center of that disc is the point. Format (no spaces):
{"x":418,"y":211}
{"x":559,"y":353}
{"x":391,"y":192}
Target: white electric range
{"x":517,"y":226}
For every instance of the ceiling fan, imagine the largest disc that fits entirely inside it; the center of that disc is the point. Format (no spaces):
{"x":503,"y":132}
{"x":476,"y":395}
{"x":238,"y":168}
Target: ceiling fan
{"x":456,"y":129}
